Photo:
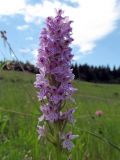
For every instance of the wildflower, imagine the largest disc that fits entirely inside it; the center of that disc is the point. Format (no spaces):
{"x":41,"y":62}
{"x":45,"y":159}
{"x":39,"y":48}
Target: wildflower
{"x":55,"y":75}
{"x":99,"y":113}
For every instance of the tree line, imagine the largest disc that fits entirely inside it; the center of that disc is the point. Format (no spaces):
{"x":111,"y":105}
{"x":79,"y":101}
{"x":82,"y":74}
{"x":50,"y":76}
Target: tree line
{"x":85,"y":72}
{"x":100,"y":74}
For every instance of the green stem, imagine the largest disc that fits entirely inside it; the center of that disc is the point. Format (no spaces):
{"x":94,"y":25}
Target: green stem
{"x":58,"y":153}
{"x":58,"y":142}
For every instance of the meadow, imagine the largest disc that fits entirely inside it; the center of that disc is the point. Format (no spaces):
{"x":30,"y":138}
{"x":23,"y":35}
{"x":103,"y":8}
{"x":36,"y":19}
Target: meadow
{"x":99,"y":136}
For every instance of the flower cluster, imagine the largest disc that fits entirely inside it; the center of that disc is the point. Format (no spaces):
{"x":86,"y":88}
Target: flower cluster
{"x":54,"y":79}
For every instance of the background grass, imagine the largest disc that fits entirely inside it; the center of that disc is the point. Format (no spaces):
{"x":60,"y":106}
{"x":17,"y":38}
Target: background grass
{"x":99,"y":137}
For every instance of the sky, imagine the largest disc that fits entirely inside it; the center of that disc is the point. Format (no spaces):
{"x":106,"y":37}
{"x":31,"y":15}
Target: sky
{"x":96,"y":28}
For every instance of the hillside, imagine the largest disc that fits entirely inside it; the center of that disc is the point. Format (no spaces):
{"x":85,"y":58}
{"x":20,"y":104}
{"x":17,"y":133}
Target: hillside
{"x":19,"y":111}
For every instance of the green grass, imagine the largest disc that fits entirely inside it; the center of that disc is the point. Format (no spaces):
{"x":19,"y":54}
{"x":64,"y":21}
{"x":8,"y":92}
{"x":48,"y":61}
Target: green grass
{"x":99,"y":137}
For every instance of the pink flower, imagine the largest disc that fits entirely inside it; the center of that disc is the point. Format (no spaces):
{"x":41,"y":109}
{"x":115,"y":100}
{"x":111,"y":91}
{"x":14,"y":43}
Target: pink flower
{"x":99,"y":113}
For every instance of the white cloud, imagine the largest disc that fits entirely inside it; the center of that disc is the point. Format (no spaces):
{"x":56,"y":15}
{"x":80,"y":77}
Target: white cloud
{"x":11,"y":7}
{"x":25,"y":50}
{"x":35,"y":52}
{"x":37,"y":11}
{"x":93,"y":19}
{"x":23,"y":27}
{"x":76,"y":58}
{"x":30,"y":38}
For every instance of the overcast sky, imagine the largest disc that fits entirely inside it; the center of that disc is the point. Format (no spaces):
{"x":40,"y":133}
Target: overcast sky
{"x":96,"y":28}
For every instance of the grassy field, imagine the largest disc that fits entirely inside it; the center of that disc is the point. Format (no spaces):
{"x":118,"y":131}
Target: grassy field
{"x":99,"y":137}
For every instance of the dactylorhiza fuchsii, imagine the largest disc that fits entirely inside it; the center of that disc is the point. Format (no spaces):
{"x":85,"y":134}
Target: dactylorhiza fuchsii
{"x":54,"y":81}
